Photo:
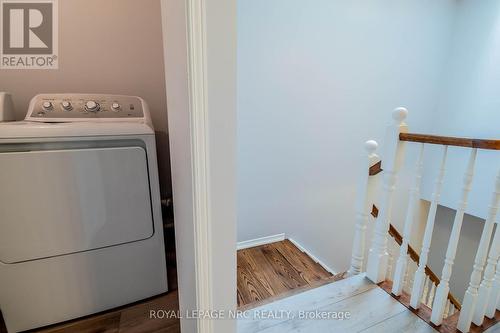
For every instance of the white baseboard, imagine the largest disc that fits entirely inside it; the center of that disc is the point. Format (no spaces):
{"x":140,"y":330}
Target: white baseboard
{"x":313,"y":257}
{"x":260,"y":241}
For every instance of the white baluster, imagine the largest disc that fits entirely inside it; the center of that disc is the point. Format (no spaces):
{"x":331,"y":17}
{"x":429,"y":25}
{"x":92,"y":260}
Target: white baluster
{"x":471,"y":295}
{"x":411,"y":277}
{"x":426,"y":290}
{"x":393,"y":158}
{"x":447,"y":308}
{"x":487,"y":294}
{"x":392,"y":249}
{"x":402,"y":263}
{"x":431,"y":295}
{"x":390,"y":262}
{"x":406,"y":279}
{"x":495,"y":294}
{"x":444,"y":288}
{"x":418,"y":283}
{"x":366,"y":192}
{"x":497,"y":277}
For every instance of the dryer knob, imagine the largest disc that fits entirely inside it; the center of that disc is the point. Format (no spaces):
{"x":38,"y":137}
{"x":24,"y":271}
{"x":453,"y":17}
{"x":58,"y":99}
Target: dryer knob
{"x":67,"y":105}
{"x":47,"y":105}
{"x":115,"y":106}
{"x":92,"y":106}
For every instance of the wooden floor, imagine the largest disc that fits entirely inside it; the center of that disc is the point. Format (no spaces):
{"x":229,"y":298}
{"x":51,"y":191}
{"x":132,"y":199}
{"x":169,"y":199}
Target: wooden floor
{"x":129,"y":319}
{"x":370,"y":309}
{"x":269,"y":272}
{"x":265,"y":274}
{"x":277,"y":278}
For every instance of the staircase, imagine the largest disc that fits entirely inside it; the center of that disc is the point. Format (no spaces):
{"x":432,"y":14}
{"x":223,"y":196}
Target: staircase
{"x":398,"y":292}
{"x":396,"y":267}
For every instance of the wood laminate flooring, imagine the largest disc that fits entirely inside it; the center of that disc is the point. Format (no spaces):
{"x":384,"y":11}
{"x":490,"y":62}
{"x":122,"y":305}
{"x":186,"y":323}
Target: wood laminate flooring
{"x":132,"y":318}
{"x":281,"y":280}
{"x":265,"y":274}
{"x":352,"y":305}
{"x":269,"y":272}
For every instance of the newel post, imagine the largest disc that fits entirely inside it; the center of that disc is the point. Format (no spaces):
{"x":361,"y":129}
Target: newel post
{"x":366,"y":191}
{"x":393,"y":159}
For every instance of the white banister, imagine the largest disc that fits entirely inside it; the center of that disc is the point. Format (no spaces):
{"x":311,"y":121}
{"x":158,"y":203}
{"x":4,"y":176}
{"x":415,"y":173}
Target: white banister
{"x":447,"y":308}
{"x":471,"y":295}
{"x":426,"y":290}
{"x":494,"y":301}
{"x":390,"y":261}
{"x":489,"y":296}
{"x":443,"y":288}
{"x":412,"y":268}
{"x":393,"y":158}
{"x":431,"y":295}
{"x":418,"y":283}
{"x":402,"y":262}
{"x":406,"y":280}
{"x":366,"y":191}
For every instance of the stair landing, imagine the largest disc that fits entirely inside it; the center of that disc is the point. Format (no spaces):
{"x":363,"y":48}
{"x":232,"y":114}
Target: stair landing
{"x":363,"y":305}
{"x":272,"y":271}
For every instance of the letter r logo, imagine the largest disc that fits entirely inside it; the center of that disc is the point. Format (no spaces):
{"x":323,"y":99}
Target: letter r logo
{"x":27,"y":27}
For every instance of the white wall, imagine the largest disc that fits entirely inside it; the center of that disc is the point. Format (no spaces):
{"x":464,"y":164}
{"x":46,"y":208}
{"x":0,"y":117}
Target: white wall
{"x":315,"y":80}
{"x":469,"y":104}
{"x":221,"y":74}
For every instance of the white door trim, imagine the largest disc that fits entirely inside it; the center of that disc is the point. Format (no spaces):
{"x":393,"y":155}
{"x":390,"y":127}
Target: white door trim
{"x":200,"y":151}
{"x":199,"y":39}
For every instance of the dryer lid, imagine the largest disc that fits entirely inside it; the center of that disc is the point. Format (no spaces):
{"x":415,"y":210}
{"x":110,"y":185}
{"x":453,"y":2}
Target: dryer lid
{"x":29,"y":129}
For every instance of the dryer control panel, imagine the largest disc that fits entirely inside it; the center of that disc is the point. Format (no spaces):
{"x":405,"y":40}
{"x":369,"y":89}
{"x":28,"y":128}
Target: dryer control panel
{"x":84,"y":107}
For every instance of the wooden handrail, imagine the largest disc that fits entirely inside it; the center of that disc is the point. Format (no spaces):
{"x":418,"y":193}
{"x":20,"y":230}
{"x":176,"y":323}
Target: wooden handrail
{"x":394,"y":233}
{"x":375,"y":169}
{"x":451,"y":141}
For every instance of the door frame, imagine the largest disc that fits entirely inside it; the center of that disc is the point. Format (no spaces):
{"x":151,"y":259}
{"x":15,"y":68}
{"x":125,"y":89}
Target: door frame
{"x":199,"y":38}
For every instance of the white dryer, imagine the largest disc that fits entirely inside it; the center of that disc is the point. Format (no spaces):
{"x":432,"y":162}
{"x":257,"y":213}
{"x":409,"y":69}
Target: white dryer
{"x":80,"y":212}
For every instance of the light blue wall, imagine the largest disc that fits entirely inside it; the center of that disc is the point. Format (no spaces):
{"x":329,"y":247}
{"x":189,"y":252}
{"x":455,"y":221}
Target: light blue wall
{"x":469,"y":106}
{"x":315,"y":80}
{"x":469,"y":103}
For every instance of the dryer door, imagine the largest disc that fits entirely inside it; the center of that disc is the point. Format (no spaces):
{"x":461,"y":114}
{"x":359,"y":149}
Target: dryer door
{"x":57,"y":202}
